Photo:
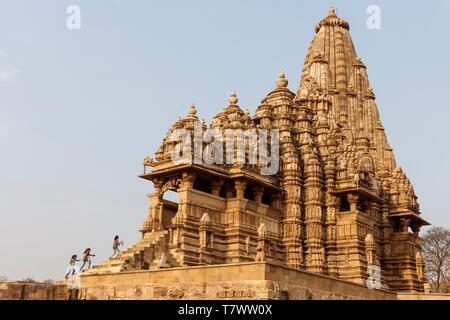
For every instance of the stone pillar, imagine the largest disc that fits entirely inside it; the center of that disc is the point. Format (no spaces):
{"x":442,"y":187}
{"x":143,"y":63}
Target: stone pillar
{"x":240,"y":186}
{"x":416,"y":229}
{"x":216,"y":186}
{"x":404,"y":224}
{"x":188,"y":179}
{"x":353,"y":201}
{"x":275,"y":200}
{"x":315,"y":250}
{"x":229,"y":191}
{"x":332,"y":204}
{"x":258,"y":192}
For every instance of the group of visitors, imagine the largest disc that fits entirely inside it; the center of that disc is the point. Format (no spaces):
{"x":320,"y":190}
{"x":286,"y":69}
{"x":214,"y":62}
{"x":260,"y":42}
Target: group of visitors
{"x":87,"y":255}
{"x":73,"y":271}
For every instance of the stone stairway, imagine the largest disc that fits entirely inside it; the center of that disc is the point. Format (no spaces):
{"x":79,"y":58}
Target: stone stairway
{"x":148,"y":253}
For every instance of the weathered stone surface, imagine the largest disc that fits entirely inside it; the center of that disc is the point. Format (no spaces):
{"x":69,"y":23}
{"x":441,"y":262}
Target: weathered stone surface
{"x":32,"y":291}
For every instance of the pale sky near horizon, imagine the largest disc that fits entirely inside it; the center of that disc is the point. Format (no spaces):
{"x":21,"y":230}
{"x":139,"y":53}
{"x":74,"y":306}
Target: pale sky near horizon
{"x":80,"y":109}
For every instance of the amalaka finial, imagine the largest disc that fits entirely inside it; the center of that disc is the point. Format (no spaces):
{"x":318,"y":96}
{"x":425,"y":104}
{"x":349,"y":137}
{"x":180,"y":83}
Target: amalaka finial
{"x":192,"y":110}
{"x":233,"y":98}
{"x":331,"y":11}
{"x":332,"y":20}
{"x":282,"y":82}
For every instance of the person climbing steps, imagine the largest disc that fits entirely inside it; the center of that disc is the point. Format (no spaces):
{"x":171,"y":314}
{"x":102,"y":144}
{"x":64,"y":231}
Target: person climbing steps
{"x":87,"y":258}
{"x":117,"y":242}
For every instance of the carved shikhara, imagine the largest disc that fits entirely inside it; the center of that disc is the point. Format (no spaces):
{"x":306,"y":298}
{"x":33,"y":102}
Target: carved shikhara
{"x":338,"y":204}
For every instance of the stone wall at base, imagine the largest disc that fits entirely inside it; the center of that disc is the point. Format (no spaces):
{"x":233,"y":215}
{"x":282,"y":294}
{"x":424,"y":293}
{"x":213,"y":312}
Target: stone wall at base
{"x":232,"y":281}
{"x":423,"y":296}
{"x":246,"y":281}
{"x":32,"y":291}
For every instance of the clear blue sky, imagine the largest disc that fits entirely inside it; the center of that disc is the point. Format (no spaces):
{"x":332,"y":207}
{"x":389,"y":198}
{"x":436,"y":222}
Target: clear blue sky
{"x":80,"y":109}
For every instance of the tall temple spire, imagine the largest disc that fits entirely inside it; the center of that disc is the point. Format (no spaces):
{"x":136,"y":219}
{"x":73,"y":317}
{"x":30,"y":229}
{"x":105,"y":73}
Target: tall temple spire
{"x":333,"y":68}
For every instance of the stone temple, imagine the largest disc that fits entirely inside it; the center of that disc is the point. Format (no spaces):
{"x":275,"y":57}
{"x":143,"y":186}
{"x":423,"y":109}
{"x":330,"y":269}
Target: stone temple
{"x":338,"y":213}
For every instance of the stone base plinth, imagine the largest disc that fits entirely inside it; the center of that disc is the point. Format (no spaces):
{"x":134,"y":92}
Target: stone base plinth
{"x":231,"y":281}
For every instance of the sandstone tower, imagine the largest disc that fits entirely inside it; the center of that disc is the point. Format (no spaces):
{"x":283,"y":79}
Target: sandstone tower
{"x":339,"y":205}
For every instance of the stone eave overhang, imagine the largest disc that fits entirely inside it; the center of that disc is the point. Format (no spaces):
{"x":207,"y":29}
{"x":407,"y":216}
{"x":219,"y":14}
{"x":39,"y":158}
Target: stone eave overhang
{"x":362,"y":191}
{"x":218,"y":172}
{"x":406,"y":213}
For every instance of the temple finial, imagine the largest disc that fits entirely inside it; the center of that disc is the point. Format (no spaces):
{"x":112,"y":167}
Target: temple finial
{"x":282,"y":81}
{"x":331,"y":11}
{"x":192,"y":110}
{"x":233,"y":98}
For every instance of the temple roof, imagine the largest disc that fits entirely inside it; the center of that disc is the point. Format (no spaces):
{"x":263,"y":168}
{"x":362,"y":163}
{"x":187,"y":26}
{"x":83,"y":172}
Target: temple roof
{"x":332,"y":119}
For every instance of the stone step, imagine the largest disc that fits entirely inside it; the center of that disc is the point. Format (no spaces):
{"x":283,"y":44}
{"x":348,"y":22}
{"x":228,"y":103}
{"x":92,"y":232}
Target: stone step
{"x":125,"y":258}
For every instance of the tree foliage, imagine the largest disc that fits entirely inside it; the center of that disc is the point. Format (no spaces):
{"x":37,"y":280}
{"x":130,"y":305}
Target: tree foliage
{"x":436,"y":255}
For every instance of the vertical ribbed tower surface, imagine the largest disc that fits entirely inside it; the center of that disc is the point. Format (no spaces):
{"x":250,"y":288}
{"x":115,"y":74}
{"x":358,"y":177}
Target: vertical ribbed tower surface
{"x":362,"y":196}
{"x":333,"y":68}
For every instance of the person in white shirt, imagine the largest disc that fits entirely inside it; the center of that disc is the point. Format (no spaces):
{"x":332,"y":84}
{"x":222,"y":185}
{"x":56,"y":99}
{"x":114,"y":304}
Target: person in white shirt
{"x":73,"y":280}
